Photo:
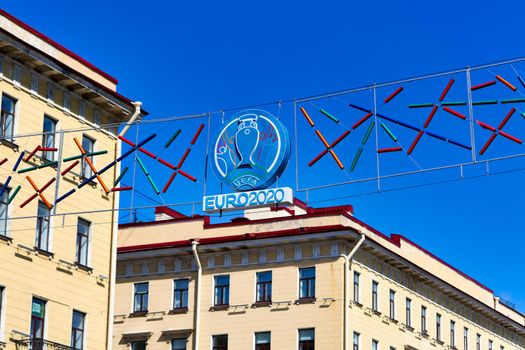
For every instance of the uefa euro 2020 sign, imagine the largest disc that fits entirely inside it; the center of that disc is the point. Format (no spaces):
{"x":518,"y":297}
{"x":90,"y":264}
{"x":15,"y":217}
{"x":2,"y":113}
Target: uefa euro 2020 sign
{"x":249,"y":153}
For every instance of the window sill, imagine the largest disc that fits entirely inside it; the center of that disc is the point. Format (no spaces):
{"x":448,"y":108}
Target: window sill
{"x":220,"y":307}
{"x":375,"y":312}
{"x":261,"y":304}
{"x":409,"y":328}
{"x":6,"y":238}
{"x":180,"y":310}
{"x":305,"y":301}
{"x":424,"y":333}
{"x":9,"y":144}
{"x":138,"y":314}
{"x":393,"y":320}
{"x":440,"y":342}
{"x":356,"y":303}
{"x":83,"y":267}
{"x":43,"y":252}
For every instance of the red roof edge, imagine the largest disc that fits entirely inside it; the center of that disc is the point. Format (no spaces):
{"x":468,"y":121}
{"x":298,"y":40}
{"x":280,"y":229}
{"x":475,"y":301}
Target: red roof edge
{"x":170,"y":212}
{"x":58,"y":46}
{"x":334,"y":209}
{"x":205,"y":219}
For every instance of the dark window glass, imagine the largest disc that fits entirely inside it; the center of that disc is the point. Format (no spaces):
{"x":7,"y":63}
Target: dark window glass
{"x":356,"y":341}
{"x":264,"y":286}
{"x":48,"y":137}
{"x":452,"y":333}
{"x":478,"y":341}
{"x":375,"y":287}
{"x":180,"y":294}
{"x":77,"y":330}
{"x":38,"y":316}
{"x":262,"y":341}
{"x":438,"y":326}
{"x":465,"y":338}
{"x":356,"y":286}
{"x":423,"y":319}
{"x":307,"y":339}
{"x":222,"y":290}
{"x":141,"y":297}
{"x":375,"y":344}
{"x":307,"y":282}
{"x":408,"y":312}
{"x":4,"y":211}
{"x":42,"y":227}
{"x":178,"y":344}
{"x":82,"y":241}
{"x":138,"y":345}
{"x":220,"y":342}
{"x":7,"y":118}
{"x":392,"y":304}
{"x":88,"y":145}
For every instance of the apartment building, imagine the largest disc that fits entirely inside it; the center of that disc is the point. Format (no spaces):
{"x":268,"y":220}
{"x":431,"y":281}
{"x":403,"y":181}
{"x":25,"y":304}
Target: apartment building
{"x":58,"y":124}
{"x":296,"y":278}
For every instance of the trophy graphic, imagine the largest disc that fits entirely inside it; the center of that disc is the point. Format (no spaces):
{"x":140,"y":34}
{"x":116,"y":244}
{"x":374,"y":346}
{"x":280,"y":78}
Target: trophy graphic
{"x":246,"y":140}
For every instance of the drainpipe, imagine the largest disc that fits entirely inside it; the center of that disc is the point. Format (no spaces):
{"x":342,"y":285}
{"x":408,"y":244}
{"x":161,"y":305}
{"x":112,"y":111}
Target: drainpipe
{"x":133,"y":118}
{"x":197,"y":312}
{"x":346,"y":298}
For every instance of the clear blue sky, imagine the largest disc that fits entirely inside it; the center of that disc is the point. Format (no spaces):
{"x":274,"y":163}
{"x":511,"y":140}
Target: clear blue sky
{"x":182,"y":57}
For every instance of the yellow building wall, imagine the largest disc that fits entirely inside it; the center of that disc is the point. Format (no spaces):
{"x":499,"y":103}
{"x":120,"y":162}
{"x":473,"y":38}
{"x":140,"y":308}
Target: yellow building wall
{"x":23,"y":274}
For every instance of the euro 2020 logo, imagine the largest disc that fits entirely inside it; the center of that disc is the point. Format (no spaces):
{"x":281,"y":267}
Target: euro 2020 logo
{"x":251,"y":150}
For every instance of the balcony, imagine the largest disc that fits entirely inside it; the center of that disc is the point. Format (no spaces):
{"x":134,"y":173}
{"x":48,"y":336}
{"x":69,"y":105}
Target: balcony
{"x":40,"y":344}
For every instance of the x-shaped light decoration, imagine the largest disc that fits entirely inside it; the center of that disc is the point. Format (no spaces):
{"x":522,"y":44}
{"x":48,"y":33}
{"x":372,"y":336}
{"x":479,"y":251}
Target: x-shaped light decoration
{"x":497,"y":131}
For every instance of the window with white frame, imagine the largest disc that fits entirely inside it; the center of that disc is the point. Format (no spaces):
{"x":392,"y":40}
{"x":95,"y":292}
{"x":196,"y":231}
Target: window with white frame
{"x":82,"y":109}
{"x":42,"y":227}
{"x":48,"y":137}
{"x":97,"y":117}
{"x":180,"y":293}
{"x":82,"y":249}
{"x":138,"y":345}
{"x":375,"y":344}
{"x":4,"y":211}
{"x":140,"y":300}
{"x":263,"y":340}
{"x":307,"y":283}
{"x":392,"y":304}
{"x":408,"y":312}
{"x":17,"y":74}
{"x":88,"y":144}
{"x":220,"y":342}
{"x":424,"y":319}
{"x":50,"y":92}
{"x":264,"y":286}
{"x":438,"y":327}
{"x":356,"y":341}
{"x":77,"y":330}
{"x":375,"y":290}
{"x":34,"y":83}
{"x":356,"y":286}
{"x":179,"y":344}
{"x":67,"y":101}
{"x":7,"y":117}
{"x":465,"y":338}
{"x":452,"y":334}
{"x":307,"y":339}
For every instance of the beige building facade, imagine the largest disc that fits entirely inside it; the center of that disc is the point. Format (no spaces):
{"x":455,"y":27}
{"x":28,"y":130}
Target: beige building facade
{"x":56,"y":250}
{"x":296,"y":278}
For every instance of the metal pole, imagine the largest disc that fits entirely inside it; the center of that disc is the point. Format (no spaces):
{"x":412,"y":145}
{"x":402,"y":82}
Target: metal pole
{"x":59,"y":167}
{"x":377,"y":140}
{"x":295,"y":145}
{"x":207,"y":156}
{"x":471,"y":117}
{"x":134,"y":175}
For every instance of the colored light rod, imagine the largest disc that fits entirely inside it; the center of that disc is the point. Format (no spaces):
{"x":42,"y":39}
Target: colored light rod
{"x":172,"y":138}
{"x":39,"y":193}
{"x":118,"y":189}
{"x":420,"y":105}
{"x":394,"y":94}
{"x":93,"y":169}
{"x":506,"y":83}
{"x":33,"y":152}
{"x":145,"y":151}
{"x":166,"y":163}
{"x":18,"y":160}
{"x":390,"y":133}
{"x":391,"y":149}
{"x":117,"y":180}
{"x":4,"y":187}
{"x":91,"y":154}
{"x":356,"y":159}
{"x":363,"y":143}
{"x":330,"y":116}
{"x":487,"y":102}
{"x":453,"y":112}
{"x":148,"y":176}
{"x":196,"y":136}
{"x":362,"y":120}
{"x":447,"y":88}
{"x":406,"y":125}
{"x":360,"y":108}
{"x":330,"y":149}
{"x":64,"y":196}
{"x":454,"y":103}
{"x":69,"y":168}
{"x":44,"y":165}
{"x":430,"y":116}
{"x":497,"y":131}
{"x":13,"y":195}
{"x":3,"y":161}
{"x":307,"y":116}
{"x":521,"y":81}
{"x":484,"y":85}
{"x":513,"y":100}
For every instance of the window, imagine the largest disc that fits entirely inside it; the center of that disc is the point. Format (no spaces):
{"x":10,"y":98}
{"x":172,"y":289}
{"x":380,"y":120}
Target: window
{"x":375,"y":344}
{"x":67,"y":101}
{"x":375,"y":287}
{"x":138,"y":345}
{"x":465,"y":338}
{"x":307,"y":283}
{"x":42,"y":227}
{"x":7,"y":118}
{"x":48,"y":137}
{"x":4,"y":211}
{"x":178,"y":344}
{"x":222,"y":290}
{"x":82,"y":109}
{"x":307,"y":339}
{"x":392,"y":304}
{"x":17,"y":74}
{"x":50,"y":92}
{"x":263,"y":340}
{"x":501,"y":347}
{"x":356,"y":286}
{"x":356,"y":341}
{"x":408,"y":312}
{"x":88,"y":145}
{"x":478,"y":341}
{"x":38,"y":316}
{"x":141,"y":297}
{"x":77,"y":330}
{"x":490,"y":344}
{"x":264,"y":286}
{"x":424,"y":320}
{"x":220,"y":342}
{"x":34,"y":83}
{"x":97,"y":117}
{"x":1,"y":309}
{"x":83,"y":228}
{"x":452,"y":334}
{"x":180,"y":294}
{"x":438,"y":327}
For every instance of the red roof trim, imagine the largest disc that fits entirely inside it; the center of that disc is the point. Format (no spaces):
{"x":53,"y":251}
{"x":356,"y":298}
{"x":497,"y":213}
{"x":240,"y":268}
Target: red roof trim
{"x":235,"y":238}
{"x":58,"y":46}
{"x":170,"y":212}
{"x":206,"y":219}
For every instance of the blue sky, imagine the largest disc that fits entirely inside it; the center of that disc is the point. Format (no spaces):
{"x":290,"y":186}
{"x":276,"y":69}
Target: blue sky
{"x":182,"y":57}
